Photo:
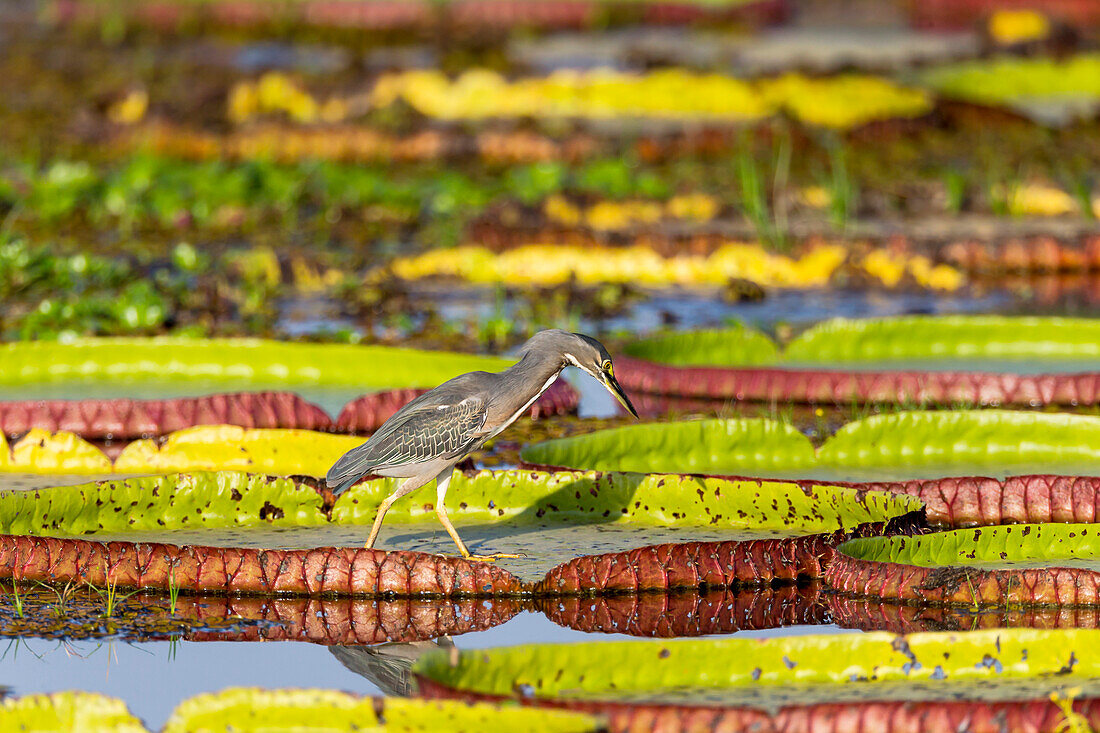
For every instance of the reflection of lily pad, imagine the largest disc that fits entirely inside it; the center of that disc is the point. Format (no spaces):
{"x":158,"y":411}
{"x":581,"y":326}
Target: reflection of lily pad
{"x":877,"y":614}
{"x":249,"y":709}
{"x":703,"y":613}
{"x":1040,"y":564}
{"x":894,"y":447}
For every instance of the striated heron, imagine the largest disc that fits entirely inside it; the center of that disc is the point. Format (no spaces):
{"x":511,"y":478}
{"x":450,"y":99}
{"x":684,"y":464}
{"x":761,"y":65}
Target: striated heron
{"x":427,"y":437}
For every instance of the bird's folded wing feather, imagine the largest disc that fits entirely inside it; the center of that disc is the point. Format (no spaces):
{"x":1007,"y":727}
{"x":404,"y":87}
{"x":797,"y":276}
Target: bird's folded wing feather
{"x":416,"y":434}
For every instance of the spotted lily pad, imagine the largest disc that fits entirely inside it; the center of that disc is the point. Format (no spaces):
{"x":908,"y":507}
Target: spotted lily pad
{"x":738,"y":670}
{"x":253,"y":709}
{"x":236,"y":527}
{"x":1040,"y":564}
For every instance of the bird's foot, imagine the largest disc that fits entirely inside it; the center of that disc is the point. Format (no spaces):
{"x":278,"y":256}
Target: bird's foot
{"x":495,"y":556}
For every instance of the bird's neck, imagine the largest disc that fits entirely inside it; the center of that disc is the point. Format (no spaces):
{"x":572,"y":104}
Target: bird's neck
{"x":534,"y":372}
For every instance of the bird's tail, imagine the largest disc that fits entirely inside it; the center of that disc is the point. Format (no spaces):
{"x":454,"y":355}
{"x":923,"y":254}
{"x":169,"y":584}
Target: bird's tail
{"x":338,"y":485}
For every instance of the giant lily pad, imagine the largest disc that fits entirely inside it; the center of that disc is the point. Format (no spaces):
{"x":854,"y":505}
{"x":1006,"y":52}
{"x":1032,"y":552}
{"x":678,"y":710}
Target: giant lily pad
{"x":995,"y":443}
{"x":125,"y":418}
{"x":741,"y":668}
{"x":257,"y":363}
{"x":934,"y":359}
{"x":544,"y":512}
{"x":68,"y":711}
{"x":1040,"y":564}
{"x":1054,"y":343}
{"x":895,"y":447}
{"x":249,"y":709}
{"x":743,"y":447}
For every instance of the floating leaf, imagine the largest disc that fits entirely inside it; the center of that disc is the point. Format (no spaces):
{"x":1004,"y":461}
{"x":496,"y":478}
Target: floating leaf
{"x":894,"y":447}
{"x":965,"y":443}
{"x":1031,"y":564}
{"x":739,"y":346}
{"x":253,"y":709}
{"x":229,"y":448}
{"x":742,"y":447}
{"x":76,"y":711}
{"x":256,"y":362}
{"x":640,"y":670}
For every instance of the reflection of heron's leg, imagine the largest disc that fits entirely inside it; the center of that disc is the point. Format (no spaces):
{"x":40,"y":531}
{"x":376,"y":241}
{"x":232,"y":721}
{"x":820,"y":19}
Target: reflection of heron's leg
{"x":405,"y":487}
{"x":444,"y":481}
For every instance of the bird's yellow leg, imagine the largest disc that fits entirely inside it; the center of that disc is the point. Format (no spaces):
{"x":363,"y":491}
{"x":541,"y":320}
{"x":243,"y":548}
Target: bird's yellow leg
{"x":441,"y":513}
{"x":408,"y":486}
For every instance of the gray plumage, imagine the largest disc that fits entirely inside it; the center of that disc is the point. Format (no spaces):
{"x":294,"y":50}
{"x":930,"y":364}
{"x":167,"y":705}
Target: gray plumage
{"x":427,"y":437}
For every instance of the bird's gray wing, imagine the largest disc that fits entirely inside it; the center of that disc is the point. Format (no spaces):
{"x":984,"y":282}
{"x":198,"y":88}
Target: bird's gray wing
{"x":417,"y":435}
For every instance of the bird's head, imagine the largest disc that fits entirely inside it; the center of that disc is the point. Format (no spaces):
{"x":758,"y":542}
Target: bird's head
{"x":583,"y":352}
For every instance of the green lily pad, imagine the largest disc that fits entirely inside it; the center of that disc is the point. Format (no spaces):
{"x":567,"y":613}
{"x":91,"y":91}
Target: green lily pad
{"x":894,"y":447}
{"x":741,"y":447}
{"x":739,"y":669}
{"x":550,"y":515}
{"x":1024,"y":344}
{"x":250,"y":709}
{"x":994,"y":443}
{"x":254,"y":362}
{"x":1013,"y":547}
{"x":736,"y":345}
{"x":236,"y":499}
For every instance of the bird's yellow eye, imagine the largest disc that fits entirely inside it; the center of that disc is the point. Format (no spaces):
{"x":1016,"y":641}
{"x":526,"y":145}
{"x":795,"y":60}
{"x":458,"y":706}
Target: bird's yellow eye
{"x":608,"y":368}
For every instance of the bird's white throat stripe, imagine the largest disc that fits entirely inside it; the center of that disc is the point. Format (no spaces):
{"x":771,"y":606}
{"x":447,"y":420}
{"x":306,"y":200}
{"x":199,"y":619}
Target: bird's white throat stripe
{"x":524,"y":409}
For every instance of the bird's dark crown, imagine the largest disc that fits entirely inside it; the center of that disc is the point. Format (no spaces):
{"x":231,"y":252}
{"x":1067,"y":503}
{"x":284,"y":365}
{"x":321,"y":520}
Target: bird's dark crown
{"x":574,"y":349}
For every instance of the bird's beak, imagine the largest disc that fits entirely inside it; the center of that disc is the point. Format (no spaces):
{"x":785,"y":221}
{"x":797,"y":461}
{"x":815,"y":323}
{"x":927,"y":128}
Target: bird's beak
{"x":613,"y":387}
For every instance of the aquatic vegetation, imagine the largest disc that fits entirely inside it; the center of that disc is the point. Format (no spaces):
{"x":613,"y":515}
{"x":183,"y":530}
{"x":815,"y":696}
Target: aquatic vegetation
{"x":748,"y":447}
{"x":255,"y":709}
{"x":1030,"y":564}
{"x":909,"y":360}
{"x":1008,"y":79}
{"x":160,"y":505}
{"x":124,"y":418}
{"x":638,"y":265}
{"x":692,"y":565}
{"x":68,"y":711}
{"x":840,"y":102}
{"x":648,"y":668}
{"x":259,"y":363}
{"x":898,"y":446}
{"x":974,"y":502}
